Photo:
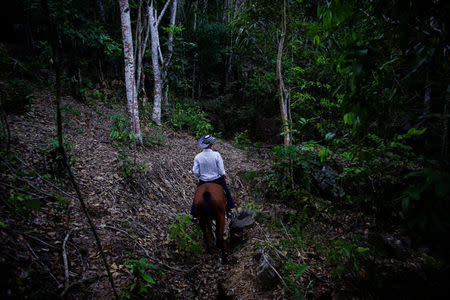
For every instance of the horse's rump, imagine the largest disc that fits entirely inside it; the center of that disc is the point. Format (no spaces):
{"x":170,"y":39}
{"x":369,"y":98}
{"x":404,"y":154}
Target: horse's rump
{"x":209,"y":199}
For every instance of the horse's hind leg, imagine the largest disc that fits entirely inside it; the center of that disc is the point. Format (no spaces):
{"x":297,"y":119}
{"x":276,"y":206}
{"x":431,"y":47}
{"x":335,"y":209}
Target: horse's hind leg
{"x":206,"y":234}
{"x":220,"y":228}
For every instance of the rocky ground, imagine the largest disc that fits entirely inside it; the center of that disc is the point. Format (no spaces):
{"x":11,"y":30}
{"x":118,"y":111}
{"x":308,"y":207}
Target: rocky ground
{"x":133,"y":216}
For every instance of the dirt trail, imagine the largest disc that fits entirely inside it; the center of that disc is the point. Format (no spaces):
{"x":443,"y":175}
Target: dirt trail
{"x":132,"y":216}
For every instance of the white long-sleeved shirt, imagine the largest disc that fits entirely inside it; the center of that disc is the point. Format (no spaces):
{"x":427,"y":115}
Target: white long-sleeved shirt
{"x":208,"y":165}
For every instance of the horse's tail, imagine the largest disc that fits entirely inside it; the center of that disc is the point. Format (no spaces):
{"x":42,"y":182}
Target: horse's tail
{"x":207,"y":204}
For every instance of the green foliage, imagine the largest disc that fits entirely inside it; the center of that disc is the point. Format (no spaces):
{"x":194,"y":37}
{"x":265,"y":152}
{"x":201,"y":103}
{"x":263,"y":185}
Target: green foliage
{"x":154,"y":140}
{"x":253,"y":206}
{"x":242,"y":140}
{"x":323,"y":154}
{"x":16,"y":95}
{"x":292,"y":273}
{"x":22,"y":203}
{"x":54,"y":156}
{"x":139,"y":288}
{"x":190,"y":116}
{"x":98,"y":95}
{"x":63,"y":203}
{"x":378,"y":171}
{"x":290,"y":225}
{"x":345,"y":257}
{"x":184,"y":234}
{"x":174,"y":29}
{"x":292,"y":172}
{"x":129,"y":167}
{"x":69,"y":110}
{"x":120,"y":129}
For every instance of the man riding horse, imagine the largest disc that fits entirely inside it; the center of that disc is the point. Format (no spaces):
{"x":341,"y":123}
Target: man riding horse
{"x":208,"y":166}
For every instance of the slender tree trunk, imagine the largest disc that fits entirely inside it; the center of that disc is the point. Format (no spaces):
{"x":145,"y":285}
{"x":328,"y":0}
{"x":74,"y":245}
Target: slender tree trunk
{"x":444,"y":147}
{"x":195,"y":15}
{"x":156,"y":50}
{"x":195,"y":55}
{"x":142,"y":45}
{"x":130,"y":82}
{"x":281,"y":88}
{"x":193,"y":77}
{"x":173,"y":16}
{"x":157,"y":89}
{"x":101,"y":10}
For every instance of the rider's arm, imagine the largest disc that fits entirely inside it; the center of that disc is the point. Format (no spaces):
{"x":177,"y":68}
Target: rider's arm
{"x":219,"y":163}
{"x":196,"y":167}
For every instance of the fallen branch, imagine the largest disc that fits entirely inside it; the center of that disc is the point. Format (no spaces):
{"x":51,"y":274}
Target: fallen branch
{"x":66,"y":265}
{"x":276,"y":272}
{"x":36,"y":239}
{"x":120,"y":230}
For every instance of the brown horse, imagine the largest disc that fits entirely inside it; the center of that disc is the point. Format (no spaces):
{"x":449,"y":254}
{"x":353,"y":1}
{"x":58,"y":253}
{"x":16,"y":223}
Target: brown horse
{"x":209,"y":204}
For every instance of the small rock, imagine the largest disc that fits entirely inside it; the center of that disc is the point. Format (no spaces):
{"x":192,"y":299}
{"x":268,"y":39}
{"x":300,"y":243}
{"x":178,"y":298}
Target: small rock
{"x":266,"y":271}
{"x":326,"y":182}
{"x":245,"y":218}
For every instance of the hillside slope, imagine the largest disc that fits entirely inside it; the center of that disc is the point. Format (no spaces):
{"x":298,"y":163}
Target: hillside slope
{"x":132,"y":215}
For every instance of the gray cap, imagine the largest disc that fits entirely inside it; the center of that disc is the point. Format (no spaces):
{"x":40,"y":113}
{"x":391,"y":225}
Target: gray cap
{"x":206,"y":140}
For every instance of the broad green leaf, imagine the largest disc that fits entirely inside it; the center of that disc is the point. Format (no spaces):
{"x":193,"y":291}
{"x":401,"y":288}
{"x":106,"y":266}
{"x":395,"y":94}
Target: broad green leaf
{"x":349,"y":118}
{"x":148,"y":278}
{"x":301,"y":269}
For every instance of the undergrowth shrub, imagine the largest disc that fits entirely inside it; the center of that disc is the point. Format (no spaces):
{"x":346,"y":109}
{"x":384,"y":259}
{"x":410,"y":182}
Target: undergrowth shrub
{"x":120,"y":129}
{"x":185,"y":235}
{"x":346,"y":257}
{"x":290,"y":226}
{"x":22,"y":203}
{"x":386,"y":177}
{"x":242,"y":140}
{"x":291,"y":173}
{"x":155,"y":138}
{"x":68,"y":110}
{"x":192,"y":117}
{"x":53,"y":159}
{"x":142,"y":279}
{"x":16,"y":95}
{"x":128,"y":167}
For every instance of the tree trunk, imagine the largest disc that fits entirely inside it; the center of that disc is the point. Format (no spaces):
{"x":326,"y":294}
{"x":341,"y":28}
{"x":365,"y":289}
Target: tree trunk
{"x":281,"y":88}
{"x":130,"y":82}
{"x":101,"y":11}
{"x":157,"y":89}
{"x":141,"y":45}
{"x":156,"y":50}
{"x":173,"y":16}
